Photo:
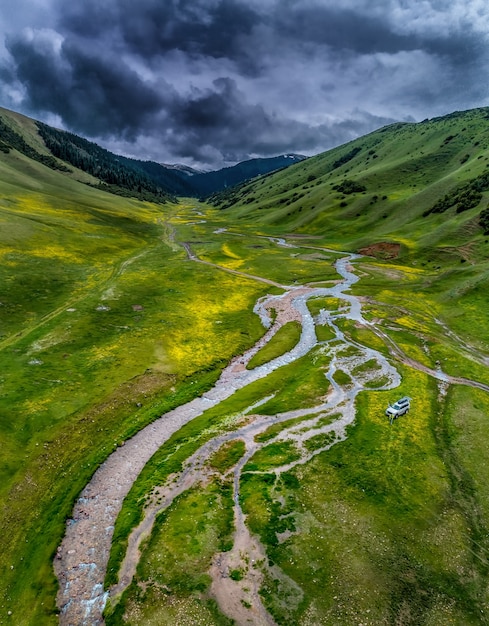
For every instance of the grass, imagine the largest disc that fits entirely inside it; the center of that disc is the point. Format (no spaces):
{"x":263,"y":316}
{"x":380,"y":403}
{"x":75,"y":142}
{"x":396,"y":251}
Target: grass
{"x":227,"y":456}
{"x":272,"y":431}
{"x":370,"y":492}
{"x":283,"y":341}
{"x":324,"y":333}
{"x":177,"y":553}
{"x":316,"y":305}
{"x":180,"y":550}
{"x":272,"y":455}
{"x":114,"y":320}
{"x":395,"y":527}
{"x":212,"y":422}
{"x":342,"y":378}
{"x":368,"y":366}
{"x":260,"y":257}
{"x":297,"y":385}
{"x":319,"y":441}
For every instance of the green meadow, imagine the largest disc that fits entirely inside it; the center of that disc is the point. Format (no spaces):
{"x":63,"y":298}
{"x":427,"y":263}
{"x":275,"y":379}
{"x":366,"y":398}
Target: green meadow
{"x":390,"y":522}
{"x":106,"y":324}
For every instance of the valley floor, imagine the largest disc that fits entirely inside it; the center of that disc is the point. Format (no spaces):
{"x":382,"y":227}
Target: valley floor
{"x":214,"y":400}
{"x":239,"y":570}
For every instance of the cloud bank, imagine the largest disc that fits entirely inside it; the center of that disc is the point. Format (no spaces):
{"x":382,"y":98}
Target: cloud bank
{"x":211,"y":82}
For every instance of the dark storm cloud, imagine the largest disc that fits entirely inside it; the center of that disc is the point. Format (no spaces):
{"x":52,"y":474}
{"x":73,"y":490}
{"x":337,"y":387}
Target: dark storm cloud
{"x":220,"y":80}
{"x":221,"y":116}
{"x":150,"y":28}
{"x":92,"y":94}
{"x":346,"y":29}
{"x":342,"y":29}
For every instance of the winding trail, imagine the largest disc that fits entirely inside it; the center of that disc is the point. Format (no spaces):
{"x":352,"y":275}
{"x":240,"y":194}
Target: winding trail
{"x":81,"y":560}
{"x":193,"y":257}
{"x":441,"y":376}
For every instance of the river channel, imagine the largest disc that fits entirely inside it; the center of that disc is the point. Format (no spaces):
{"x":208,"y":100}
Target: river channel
{"x":82,"y":557}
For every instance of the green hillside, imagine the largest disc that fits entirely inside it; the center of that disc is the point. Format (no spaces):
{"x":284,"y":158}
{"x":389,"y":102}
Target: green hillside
{"x":86,"y":161}
{"x":145,"y":180}
{"x":400,"y":173}
{"x":114,"y":310}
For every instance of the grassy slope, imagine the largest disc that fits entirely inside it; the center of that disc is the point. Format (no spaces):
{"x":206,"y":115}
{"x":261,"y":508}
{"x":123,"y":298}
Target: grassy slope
{"x":405,"y":169}
{"x":27,"y":129}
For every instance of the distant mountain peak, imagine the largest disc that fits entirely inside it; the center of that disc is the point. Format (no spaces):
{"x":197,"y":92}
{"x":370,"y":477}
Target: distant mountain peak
{"x":184,"y":169}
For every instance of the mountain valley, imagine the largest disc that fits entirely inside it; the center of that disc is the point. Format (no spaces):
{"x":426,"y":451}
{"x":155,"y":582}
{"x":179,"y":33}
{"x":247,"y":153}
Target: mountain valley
{"x":201,"y":374}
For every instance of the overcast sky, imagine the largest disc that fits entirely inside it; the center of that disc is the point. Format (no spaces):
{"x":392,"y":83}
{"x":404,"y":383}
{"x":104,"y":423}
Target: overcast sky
{"x":212,"y":82}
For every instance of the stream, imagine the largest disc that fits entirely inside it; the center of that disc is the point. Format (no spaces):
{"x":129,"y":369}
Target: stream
{"x":81,"y":560}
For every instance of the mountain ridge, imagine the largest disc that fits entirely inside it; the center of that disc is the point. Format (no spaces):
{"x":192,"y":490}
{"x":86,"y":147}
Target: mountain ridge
{"x":146,"y":180}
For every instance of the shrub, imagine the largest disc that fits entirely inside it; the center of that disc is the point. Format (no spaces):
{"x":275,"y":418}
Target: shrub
{"x":346,"y":157}
{"x":350,"y":186}
{"x":484,"y":220}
